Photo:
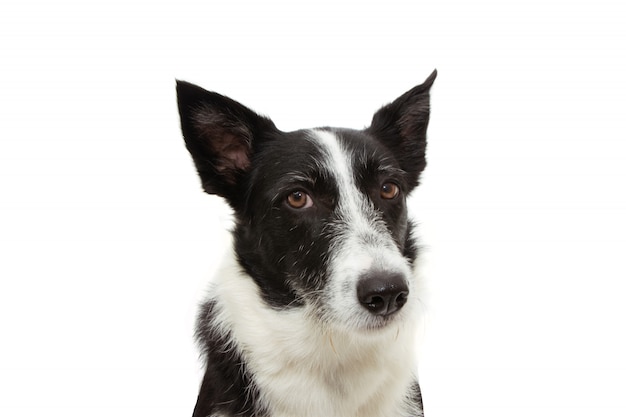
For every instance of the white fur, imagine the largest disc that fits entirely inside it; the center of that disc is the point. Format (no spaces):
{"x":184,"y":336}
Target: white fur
{"x":306,"y":369}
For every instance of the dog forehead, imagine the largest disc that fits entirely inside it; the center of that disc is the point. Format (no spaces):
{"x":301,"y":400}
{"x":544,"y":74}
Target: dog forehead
{"x":336,"y":157}
{"x":351,"y":155}
{"x":286,"y":151}
{"x":330,"y":161}
{"x":290,"y":154}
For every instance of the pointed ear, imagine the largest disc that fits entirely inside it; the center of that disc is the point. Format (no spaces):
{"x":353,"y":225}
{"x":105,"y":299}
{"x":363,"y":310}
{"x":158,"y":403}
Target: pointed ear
{"x":402,"y":125}
{"x":219,"y":134}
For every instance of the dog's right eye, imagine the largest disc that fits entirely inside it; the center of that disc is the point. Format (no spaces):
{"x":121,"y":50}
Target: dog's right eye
{"x":299,"y":200}
{"x":389,"y":191}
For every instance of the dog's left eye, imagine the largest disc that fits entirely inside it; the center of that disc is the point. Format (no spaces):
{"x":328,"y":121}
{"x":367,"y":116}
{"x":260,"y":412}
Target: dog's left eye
{"x":299,"y":200}
{"x":389,"y":191}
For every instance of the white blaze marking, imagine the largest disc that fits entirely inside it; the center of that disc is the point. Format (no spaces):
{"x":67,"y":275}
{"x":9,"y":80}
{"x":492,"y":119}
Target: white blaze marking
{"x":363,"y":243}
{"x":354,"y":207}
{"x":352,"y":203}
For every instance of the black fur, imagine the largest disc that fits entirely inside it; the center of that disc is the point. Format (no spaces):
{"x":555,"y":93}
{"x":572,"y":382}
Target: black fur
{"x":242,"y":157}
{"x":402,"y":126}
{"x":226,"y":376}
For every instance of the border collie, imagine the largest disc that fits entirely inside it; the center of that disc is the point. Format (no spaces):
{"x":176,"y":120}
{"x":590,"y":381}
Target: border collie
{"x":314,"y":312}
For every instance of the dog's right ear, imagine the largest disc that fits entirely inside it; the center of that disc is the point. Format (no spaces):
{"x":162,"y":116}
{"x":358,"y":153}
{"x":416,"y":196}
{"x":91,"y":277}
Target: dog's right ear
{"x":220,"y":135}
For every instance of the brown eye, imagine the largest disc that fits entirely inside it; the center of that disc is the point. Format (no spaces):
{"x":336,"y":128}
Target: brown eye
{"x":389,"y":191}
{"x":299,"y":200}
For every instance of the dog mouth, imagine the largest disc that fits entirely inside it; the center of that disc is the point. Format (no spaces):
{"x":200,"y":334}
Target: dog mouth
{"x":380,"y":322}
{"x":357,"y":318}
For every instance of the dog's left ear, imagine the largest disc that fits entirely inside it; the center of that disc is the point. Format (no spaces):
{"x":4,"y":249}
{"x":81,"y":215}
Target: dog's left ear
{"x":402,"y":124}
{"x":220,"y":135}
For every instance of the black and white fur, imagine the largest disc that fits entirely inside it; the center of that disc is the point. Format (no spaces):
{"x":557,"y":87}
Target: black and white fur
{"x":314,"y":313}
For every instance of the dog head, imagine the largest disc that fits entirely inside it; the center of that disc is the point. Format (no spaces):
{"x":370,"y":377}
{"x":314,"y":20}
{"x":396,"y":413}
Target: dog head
{"x":320,"y":214}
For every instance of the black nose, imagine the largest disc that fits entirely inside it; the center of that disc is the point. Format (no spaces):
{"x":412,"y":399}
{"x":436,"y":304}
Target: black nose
{"x":382,"y":294}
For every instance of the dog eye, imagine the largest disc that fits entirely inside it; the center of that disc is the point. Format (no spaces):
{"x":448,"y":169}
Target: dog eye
{"x":389,"y":191}
{"x":299,"y":200}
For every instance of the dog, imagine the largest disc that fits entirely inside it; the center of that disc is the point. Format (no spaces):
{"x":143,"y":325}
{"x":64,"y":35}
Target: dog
{"x":313,"y":313}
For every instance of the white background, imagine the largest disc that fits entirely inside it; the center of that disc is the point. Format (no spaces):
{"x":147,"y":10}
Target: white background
{"x":107,"y":242}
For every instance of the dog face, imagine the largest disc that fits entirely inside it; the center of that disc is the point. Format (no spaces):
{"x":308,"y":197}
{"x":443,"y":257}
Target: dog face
{"x":321,"y":218}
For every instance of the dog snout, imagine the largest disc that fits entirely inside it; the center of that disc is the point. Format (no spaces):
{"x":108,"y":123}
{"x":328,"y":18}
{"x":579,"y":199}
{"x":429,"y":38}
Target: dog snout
{"x":382,"y":293}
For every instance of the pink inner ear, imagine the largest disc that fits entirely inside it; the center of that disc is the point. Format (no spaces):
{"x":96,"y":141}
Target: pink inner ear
{"x":227,"y":147}
{"x":238,"y":156}
{"x":232,"y":151}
